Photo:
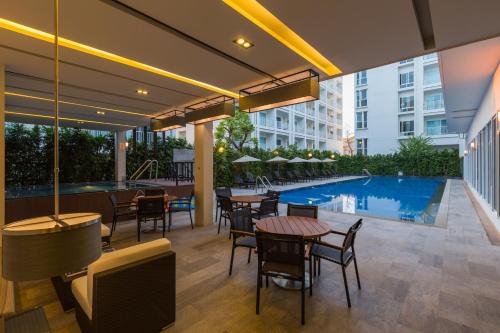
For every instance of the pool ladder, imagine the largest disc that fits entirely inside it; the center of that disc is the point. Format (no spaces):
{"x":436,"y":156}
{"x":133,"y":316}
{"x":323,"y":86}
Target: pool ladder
{"x":144,"y":166}
{"x":264,"y":181}
{"x":367,"y":172}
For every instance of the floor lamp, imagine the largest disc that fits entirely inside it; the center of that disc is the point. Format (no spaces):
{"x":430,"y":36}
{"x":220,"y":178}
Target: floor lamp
{"x":47,"y":246}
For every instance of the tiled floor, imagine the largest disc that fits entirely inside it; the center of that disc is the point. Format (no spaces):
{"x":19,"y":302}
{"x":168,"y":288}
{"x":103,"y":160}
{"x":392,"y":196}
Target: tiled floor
{"x":415,"y":279}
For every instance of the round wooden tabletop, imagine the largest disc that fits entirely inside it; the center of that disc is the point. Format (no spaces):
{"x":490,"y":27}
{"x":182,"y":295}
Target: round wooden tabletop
{"x":293,"y":225}
{"x":248,"y":199}
{"x":166,"y":197}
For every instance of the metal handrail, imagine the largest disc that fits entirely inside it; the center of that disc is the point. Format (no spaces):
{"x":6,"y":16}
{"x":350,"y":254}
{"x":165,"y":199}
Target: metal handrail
{"x":268,"y":182}
{"x":267,"y":187}
{"x":144,"y":166}
{"x":367,"y":172}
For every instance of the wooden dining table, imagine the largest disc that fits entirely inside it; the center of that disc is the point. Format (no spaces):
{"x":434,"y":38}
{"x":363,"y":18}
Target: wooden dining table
{"x":247,"y":199}
{"x":307,"y":227}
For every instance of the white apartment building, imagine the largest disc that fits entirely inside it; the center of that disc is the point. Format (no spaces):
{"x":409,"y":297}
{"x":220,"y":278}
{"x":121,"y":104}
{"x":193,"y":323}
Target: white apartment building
{"x":310,"y":125}
{"x":399,"y":100}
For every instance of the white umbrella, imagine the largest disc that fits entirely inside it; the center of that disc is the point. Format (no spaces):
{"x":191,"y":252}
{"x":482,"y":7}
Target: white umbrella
{"x":327,"y":160}
{"x":314,"y":160}
{"x":277,"y":159}
{"x":297,"y":160}
{"x":246,"y":159}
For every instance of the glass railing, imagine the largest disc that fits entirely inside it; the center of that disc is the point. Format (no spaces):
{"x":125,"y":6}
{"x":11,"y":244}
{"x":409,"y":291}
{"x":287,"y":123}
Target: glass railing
{"x":407,"y":133}
{"x":406,"y":84}
{"x":434,"y":105}
{"x":442,"y":130}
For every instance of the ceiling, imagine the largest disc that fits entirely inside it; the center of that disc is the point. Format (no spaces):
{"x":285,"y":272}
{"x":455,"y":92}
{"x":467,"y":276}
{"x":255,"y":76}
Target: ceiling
{"x":466,"y":73}
{"x":195,"y":39}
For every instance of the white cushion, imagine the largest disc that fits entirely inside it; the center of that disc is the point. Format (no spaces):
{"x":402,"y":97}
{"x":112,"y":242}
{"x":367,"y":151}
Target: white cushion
{"x":79,"y":289}
{"x":124,"y":257}
{"x":105,"y":231}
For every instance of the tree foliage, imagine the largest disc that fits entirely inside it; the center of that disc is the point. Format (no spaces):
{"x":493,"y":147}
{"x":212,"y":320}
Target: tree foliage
{"x":235,"y":132}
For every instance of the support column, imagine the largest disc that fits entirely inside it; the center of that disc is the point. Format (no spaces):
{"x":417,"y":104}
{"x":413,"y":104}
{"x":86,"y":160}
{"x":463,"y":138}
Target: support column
{"x":203,"y":177}
{"x":120,"y":156}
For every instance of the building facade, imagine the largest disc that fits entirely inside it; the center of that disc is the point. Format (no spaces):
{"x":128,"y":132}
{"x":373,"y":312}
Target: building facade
{"x":310,"y":125}
{"x":397,"y":101}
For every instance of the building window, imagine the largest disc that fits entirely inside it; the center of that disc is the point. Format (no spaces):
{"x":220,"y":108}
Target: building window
{"x":406,"y":80}
{"x":433,"y":100}
{"x":431,"y":75}
{"x":278,"y":142}
{"x":361,"y":119}
{"x":436,"y":127}
{"x":406,"y":128}
{"x":362,"y":146}
{"x":406,"y":61}
{"x":406,"y":103}
{"x":262,"y":119}
{"x":361,"y":78}
{"x":361,"y":98}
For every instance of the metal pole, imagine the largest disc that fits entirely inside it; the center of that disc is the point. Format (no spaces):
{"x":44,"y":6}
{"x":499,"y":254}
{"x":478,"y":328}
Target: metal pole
{"x":56,"y":109}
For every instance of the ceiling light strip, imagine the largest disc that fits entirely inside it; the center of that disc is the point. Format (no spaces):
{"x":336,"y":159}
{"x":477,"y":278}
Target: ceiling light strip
{"x":68,"y":119}
{"x":264,"y":19}
{"x":8,"y":93}
{"x":41,"y":35}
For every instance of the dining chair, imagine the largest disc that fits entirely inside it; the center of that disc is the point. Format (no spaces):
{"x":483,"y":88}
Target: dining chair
{"x":183,"y":203}
{"x":150,"y":208}
{"x":242,"y":232}
{"x":149,"y":192}
{"x":275,"y":195}
{"x":268,"y":207}
{"x":281,"y":256}
{"x":121,"y":209}
{"x":340,"y":255}
{"x":302,"y":210}
{"x":221,"y":192}
{"x":226,"y":209}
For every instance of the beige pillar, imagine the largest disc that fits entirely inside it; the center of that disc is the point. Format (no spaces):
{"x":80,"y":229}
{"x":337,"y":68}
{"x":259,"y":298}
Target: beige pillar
{"x":203,"y":173}
{"x":120,"y":156}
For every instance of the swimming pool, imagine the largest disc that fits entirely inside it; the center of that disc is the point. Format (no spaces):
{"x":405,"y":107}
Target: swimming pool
{"x":71,"y":188}
{"x":411,"y":199}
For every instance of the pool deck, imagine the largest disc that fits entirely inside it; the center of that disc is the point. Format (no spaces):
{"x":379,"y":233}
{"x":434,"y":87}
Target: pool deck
{"x":415,"y":278}
{"x":245,"y":191}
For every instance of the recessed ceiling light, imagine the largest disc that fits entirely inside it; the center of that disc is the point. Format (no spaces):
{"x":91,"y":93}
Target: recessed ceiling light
{"x":102,"y":113}
{"x":243,"y":42}
{"x":142,"y":91}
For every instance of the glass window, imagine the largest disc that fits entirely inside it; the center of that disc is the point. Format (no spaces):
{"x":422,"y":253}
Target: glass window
{"x":433,"y":100}
{"x":361,"y":146}
{"x":431,"y":74}
{"x":406,"y":80}
{"x":262,"y":119}
{"x":361,"y":98}
{"x":361,"y":119}
{"x":406,"y":128}
{"x":436,"y":127}
{"x":262,"y":142}
{"x":361,"y":78}
{"x":406,"y":103}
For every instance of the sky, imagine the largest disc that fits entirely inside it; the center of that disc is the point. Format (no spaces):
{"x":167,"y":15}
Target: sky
{"x":348,"y":104}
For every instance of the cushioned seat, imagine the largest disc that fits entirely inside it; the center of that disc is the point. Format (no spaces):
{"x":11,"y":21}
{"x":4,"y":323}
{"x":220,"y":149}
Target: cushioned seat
{"x":105,"y":231}
{"x":331,"y":254}
{"x":247,"y":241}
{"x":115,"y":261}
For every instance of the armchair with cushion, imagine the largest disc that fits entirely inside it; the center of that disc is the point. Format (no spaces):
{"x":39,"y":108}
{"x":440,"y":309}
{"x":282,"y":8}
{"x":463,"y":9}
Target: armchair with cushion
{"x":184,"y":194}
{"x":127,"y":209}
{"x":128,"y":290}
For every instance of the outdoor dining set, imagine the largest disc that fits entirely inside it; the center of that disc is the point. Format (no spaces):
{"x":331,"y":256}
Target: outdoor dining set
{"x":284,"y":244}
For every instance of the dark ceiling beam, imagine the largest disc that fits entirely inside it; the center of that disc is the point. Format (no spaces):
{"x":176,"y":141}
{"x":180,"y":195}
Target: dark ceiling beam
{"x":424,"y":19}
{"x":188,"y":38}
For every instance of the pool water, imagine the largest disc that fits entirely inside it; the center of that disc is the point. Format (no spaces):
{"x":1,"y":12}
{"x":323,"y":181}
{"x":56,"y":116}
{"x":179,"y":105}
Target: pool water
{"x":410,"y":199}
{"x":73,"y":188}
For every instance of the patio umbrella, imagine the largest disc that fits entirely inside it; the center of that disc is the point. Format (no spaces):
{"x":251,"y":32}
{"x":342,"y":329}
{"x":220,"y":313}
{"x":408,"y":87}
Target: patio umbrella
{"x":327,"y":160}
{"x":297,"y":160}
{"x":314,"y":160}
{"x":277,"y":159}
{"x":246,"y":159}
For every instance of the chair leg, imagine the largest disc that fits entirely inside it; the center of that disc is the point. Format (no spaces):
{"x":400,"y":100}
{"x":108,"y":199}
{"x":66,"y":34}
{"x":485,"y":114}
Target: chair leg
{"x":113,"y":225}
{"x":310,"y":276}
{"x":249,"y":254}
{"x":191,"y":218}
{"x":346,"y":287}
{"x":303,"y":301}
{"x":169,"y":219}
{"x":163,"y":225}
{"x":232,"y":257}
{"x":216,"y":212}
{"x":267,"y":281}
{"x":138,"y":230}
{"x":357,"y":273}
{"x":220,"y":220}
{"x":259,"y":282}
{"x":319,"y":266}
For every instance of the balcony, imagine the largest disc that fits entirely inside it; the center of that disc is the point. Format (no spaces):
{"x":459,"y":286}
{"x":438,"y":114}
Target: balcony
{"x":406,"y":134}
{"x":406,"y":61}
{"x":434,"y":105}
{"x":432,"y":131}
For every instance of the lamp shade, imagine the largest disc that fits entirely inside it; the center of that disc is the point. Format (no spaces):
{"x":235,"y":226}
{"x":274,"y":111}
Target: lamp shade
{"x":174,"y":119}
{"x":41,"y":247}
{"x":275,"y":94}
{"x":201,"y":113}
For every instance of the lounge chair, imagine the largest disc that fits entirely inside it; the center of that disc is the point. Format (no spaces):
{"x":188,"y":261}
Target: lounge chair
{"x":278,"y":179}
{"x":238,"y":181}
{"x":299,"y":176}
{"x":309,"y":174}
{"x":291,"y":177}
{"x":250,"y":179}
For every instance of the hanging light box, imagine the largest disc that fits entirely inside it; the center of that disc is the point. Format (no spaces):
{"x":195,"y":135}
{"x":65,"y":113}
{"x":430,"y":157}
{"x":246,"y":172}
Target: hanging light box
{"x":171,"y":120}
{"x":210,"y":110}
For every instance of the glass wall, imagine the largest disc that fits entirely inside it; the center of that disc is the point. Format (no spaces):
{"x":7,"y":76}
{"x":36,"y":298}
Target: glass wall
{"x":481,"y":163}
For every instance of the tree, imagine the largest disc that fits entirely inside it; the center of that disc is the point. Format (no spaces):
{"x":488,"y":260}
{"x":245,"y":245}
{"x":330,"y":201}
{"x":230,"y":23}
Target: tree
{"x":235,"y":131}
{"x":413,"y":150}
